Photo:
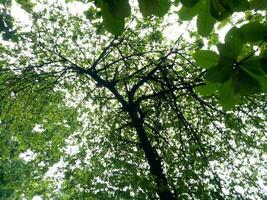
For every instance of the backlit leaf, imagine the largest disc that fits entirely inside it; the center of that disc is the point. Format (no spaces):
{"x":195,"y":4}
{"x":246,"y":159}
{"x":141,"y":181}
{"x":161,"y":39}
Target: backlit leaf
{"x":206,"y":58}
{"x":244,"y":83}
{"x":254,"y":65}
{"x":218,"y":10}
{"x":258,"y":4}
{"x":234,"y":40}
{"x":264,"y":61}
{"x":237,"y":5}
{"x":186,"y":13}
{"x":218,"y":74}
{"x":227,"y":96}
{"x":189,"y":3}
{"x":205,"y":21}
{"x":154,"y":7}
{"x":114,"y":13}
{"x":27,"y":5}
{"x":222,"y":9}
{"x":208,"y":89}
{"x":254,"y":31}
{"x":227,"y":54}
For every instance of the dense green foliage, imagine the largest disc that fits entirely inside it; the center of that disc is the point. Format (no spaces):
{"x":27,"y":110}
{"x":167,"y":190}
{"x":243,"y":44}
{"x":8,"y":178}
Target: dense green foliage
{"x":108,"y":107}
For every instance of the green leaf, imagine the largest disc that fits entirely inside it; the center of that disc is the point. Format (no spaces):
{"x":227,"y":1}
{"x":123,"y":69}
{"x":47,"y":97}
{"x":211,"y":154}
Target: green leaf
{"x":6,"y":22}
{"x":206,"y":58}
{"x":218,"y":74}
{"x":234,"y":40}
{"x":257,"y":72}
{"x":205,"y":21}
{"x":264,"y":61}
{"x":264,"y":54}
{"x":254,"y":65}
{"x":9,"y":35}
{"x":258,"y":4}
{"x":227,"y":96}
{"x":227,"y":54}
{"x":263,"y":82}
{"x":218,"y":10}
{"x":27,"y":5}
{"x":114,"y":26}
{"x":6,"y":2}
{"x":264,"y":65}
{"x":154,"y":7}
{"x":189,"y":3}
{"x":208,"y":89}
{"x":244,"y":83}
{"x":254,"y":31}
{"x":114,"y":13}
{"x":222,"y":9}
{"x":186,"y":13}
{"x":237,"y":5}
{"x":119,"y":8}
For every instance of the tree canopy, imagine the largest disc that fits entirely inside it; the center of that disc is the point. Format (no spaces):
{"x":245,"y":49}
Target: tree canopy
{"x":97,"y":102}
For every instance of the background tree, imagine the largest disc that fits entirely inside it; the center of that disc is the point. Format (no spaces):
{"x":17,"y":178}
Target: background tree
{"x":146,"y":120}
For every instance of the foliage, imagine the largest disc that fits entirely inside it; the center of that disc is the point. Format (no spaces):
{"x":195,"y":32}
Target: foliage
{"x":208,"y":12}
{"x":133,"y":114}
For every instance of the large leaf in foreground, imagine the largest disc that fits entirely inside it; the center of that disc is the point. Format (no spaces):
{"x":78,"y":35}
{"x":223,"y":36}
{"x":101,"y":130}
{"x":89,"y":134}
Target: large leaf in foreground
{"x":114,"y":13}
{"x":234,"y":39}
{"x":206,"y":58}
{"x":154,"y":7}
{"x":254,"y":31}
{"x":227,"y":96}
{"x":205,"y":21}
{"x":189,"y":3}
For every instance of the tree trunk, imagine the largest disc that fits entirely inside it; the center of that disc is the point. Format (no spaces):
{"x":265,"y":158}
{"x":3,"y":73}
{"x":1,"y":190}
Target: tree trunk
{"x":152,"y":157}
{"x":151,"y":154}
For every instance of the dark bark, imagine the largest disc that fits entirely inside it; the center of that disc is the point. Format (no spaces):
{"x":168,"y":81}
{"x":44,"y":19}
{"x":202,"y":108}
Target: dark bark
{"x":153,"y":158}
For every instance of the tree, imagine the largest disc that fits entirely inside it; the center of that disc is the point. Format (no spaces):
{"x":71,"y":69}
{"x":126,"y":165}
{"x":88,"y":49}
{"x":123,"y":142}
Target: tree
{"x":150,"y":118}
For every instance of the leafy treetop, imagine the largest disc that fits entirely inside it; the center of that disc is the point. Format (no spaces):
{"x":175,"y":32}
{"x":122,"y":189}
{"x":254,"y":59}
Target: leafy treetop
{"x":131,"y":115}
